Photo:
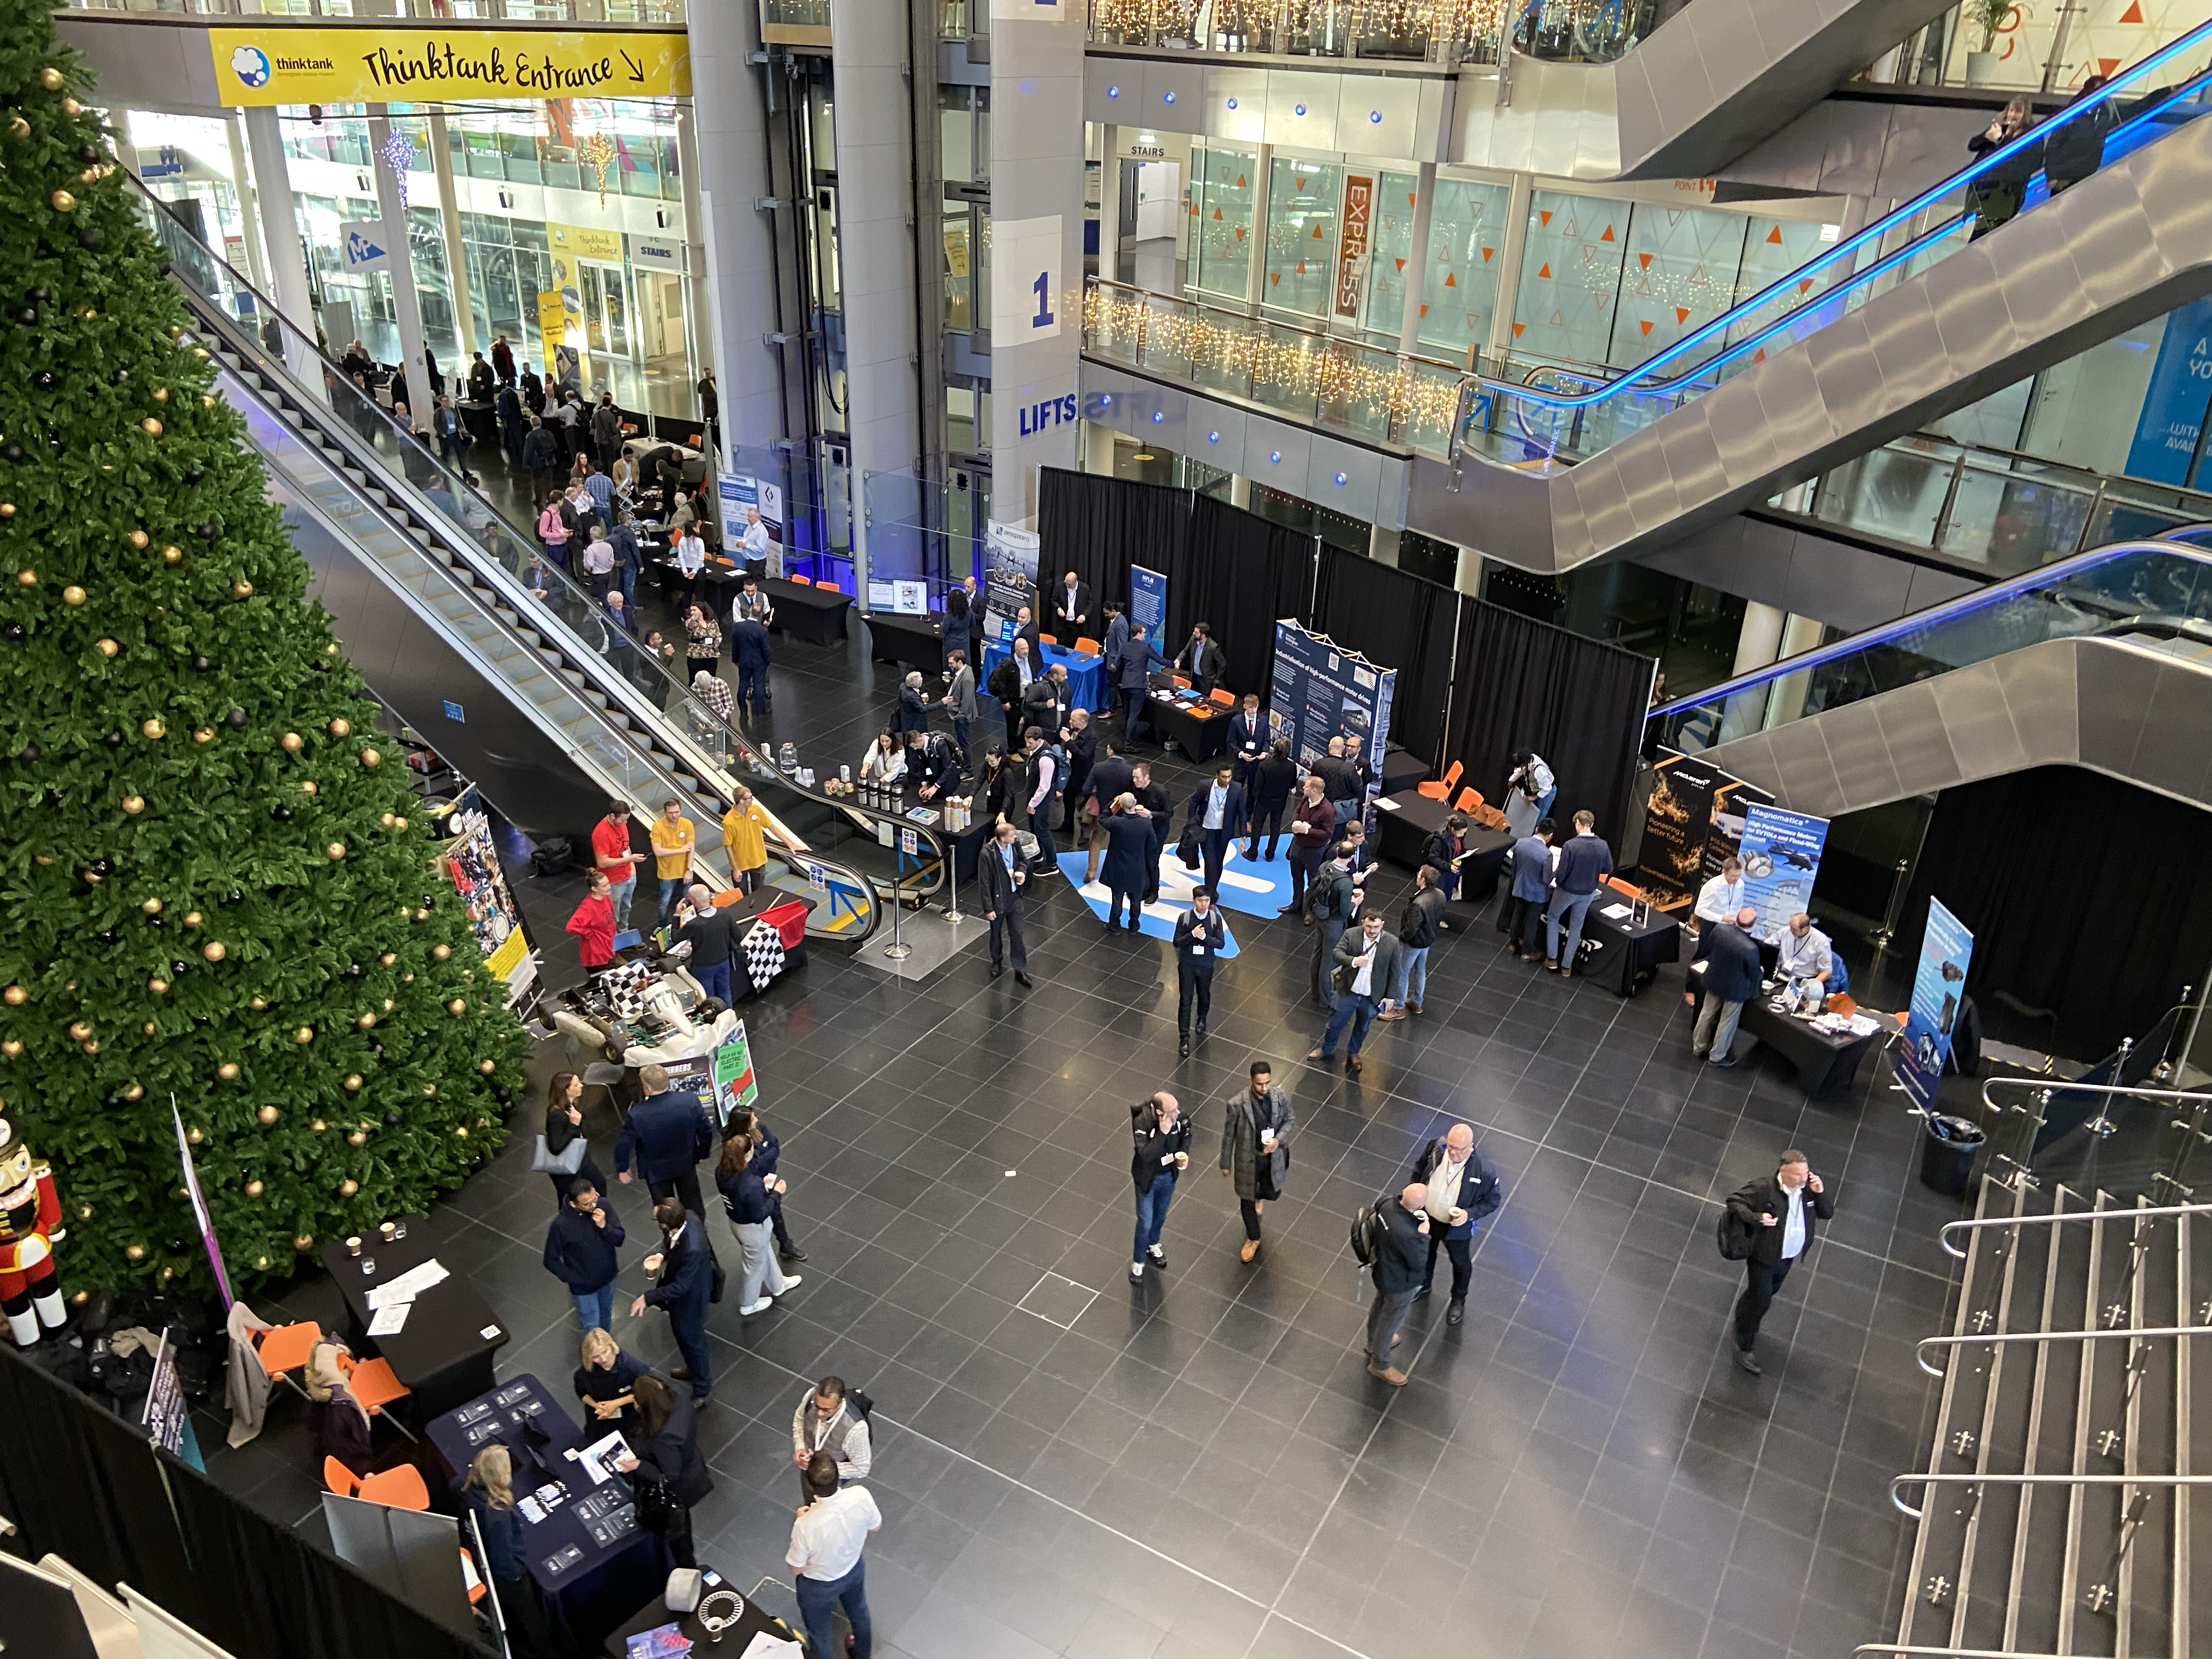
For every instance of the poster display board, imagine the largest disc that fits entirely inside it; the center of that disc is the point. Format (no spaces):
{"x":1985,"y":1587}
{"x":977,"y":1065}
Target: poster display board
{"x":1781,"y":854}
{"x":1318,"y":690}
{"x":1010,"y":575}
{"x":737,"y":494}
{"x":1148,"y":604}
{"x":472,"y":862}
{"x":1938,"y":987}
{"x":1691,"y":825}
{"x":201,"y":1215}
{"x":736,"y":1087}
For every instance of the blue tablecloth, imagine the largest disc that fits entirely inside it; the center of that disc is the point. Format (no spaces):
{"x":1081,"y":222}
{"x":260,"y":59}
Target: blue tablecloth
{"x":1086,"y":674}
{"x":617,"y":1568}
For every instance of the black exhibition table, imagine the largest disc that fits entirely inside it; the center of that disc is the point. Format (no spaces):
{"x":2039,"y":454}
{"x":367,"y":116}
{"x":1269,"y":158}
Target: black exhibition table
{"x":1201,"y":737}
{"x":967,"y":848}
{"x":1401,"y":770}
{"x":1403,"y":824}
{"x":443,"y":1353}
{"x":1627,"y":954}
{"x":1825,"y":1061}
{"x":482,"y":421}
{"x":735,"y":1639}
{"x":806,"y":612}
{"x":917,"y":641}
{"x":615,"y":1565}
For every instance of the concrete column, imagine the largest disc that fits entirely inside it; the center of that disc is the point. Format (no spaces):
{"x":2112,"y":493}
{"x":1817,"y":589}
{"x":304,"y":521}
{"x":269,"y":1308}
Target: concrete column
{"x":1109,"y":204}
{"x":1417,"y":259}
{"x":1240,"y":491}
{"x":698,"y":314}
{"x":457,"y":257}
{"x":1785,"y":697}
{"x":735,"y":258}
{"x":280,"y":232}
{"x":1382,"y":542}
{"x":1468,"y":578}
{"x":249,"y":214}
{"x":394,"y":215}
{"x":1517,"y":206}
{"x":876,"y":248}
{"x":1759,"y":643}
{"x":1037,"y":219}
{"x":1255,"y":250}
{"x":1098,"y":447}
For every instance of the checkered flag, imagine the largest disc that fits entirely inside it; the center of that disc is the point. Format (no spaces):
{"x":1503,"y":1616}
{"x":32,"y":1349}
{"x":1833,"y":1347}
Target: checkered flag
{"x":625,"y":984}
{"x":764,"y":954}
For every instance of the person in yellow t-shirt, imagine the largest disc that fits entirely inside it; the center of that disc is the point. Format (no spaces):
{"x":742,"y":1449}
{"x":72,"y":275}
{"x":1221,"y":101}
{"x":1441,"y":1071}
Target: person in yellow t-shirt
{"x":674,"y":836}
{"x":745,"y":835}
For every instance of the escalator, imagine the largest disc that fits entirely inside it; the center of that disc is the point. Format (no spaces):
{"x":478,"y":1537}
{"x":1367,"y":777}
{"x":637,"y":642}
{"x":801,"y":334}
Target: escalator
{"x":457,"y":622}
{"x":1909,"y":320}
{"x":1684,"y":100}
{"x":2103,"y":660}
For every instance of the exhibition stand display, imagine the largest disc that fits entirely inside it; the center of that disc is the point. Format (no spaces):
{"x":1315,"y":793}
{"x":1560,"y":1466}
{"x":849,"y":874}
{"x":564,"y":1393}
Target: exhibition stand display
{"x":807,"y":610}
{"x":1086,"y":670}
{"x":1403,"y":824}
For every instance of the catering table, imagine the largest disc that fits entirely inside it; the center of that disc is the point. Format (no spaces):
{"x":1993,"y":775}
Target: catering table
{"x":918,"y":641}
{"x":805,"y":612}
{"x":1086,"y":673}
{"x":1403,"y":824}
{"x":591,"y":1563}
{"x":1197,"y":727}
{"x":443,"y":1353}
{"x":736,"y":1639}
{"x":1826,"y":1062}
{"x":1626,"y":953}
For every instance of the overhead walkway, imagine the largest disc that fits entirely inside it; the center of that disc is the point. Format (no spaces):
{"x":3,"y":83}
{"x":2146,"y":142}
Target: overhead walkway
{"x":512,"y":670}
{"x":2103,"y":660}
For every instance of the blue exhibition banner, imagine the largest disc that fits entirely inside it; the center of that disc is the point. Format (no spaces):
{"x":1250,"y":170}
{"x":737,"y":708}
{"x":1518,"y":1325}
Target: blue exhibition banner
{"x":2180,"y":386}
{"x":1938,"y":987}
{"x":1318,"y":690}
{"x":1148,"y":604}
{"x":1781,"y":854}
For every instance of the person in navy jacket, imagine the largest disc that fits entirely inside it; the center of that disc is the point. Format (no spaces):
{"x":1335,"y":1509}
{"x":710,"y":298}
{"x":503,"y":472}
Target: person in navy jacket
{"x":682,"y":1289}
{"x":1217,"y":814}
{"x":1523,"y":913}
{"x":669,"y":1134}
{"x":1250,"y":739}
{"x":766,"y":1149}
{"x":1733,"y":974}
{"x":580,"y":1252}
{"x":1462,"y":1188}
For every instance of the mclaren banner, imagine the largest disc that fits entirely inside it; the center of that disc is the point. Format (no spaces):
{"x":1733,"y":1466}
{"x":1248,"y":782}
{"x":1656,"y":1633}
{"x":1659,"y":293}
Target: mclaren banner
{"x":414,"y":65}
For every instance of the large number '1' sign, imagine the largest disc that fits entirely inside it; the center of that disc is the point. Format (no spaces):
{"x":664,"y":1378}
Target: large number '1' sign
{"x":1043,"y":285}
{"x":1027,"y":267}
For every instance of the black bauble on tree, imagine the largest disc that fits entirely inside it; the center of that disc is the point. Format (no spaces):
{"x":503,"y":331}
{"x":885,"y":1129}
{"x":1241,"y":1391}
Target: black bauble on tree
{"x":236,"y":717}
{"x":89,"y":239}
{"x":17,"y":633}
{"x":201,"y":664}
{"x":113,"y":739}
{"x":29,"y":752}
{"x":44,"y":379}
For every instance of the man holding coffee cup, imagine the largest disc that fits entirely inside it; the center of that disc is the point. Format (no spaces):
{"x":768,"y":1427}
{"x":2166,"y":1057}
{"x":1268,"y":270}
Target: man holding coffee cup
{"x":1255,"y":1135}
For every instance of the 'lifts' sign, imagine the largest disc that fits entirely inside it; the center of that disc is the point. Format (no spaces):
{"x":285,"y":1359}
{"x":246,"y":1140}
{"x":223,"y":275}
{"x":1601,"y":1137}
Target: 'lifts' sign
{"x":1351,"y":242}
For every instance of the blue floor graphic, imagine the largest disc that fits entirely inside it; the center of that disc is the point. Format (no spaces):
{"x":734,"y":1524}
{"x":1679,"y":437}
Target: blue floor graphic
{"x":1157,"y":919}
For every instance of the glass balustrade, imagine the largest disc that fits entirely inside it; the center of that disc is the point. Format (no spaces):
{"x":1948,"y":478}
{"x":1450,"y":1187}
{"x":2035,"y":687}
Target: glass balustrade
{"x":2136,"y":586}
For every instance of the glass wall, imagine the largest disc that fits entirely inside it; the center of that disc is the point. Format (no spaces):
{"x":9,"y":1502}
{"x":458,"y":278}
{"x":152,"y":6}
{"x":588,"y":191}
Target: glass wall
{"x":1221,"y":187}
{"x":1459,"y":289}
{"x":1303,"y":200}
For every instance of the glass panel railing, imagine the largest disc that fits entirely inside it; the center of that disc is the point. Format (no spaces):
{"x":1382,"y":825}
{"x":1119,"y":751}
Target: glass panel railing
{"x":1403,"y":31}
{"x":2130,"y":586}
{"x":595,"y":12}
{"x":538,"y":589}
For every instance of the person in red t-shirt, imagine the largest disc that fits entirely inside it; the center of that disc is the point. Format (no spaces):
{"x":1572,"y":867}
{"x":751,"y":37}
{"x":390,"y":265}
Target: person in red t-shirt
{"x":593,"y":925}
{"x":611,"y":856}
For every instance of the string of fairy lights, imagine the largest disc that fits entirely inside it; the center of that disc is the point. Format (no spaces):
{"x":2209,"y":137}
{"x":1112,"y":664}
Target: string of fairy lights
{"x":1450,"y":20}
{"x":1338,"y":374}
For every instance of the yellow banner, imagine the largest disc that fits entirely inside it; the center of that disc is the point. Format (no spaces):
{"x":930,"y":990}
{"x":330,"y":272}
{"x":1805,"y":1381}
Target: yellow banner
{"x":583,"y":241}
{"x":505,"y":960}
{"x":427,"y":63}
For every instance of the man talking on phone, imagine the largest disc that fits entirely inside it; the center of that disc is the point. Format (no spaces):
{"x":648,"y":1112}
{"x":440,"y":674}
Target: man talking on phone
{"x":1780,"y":1210}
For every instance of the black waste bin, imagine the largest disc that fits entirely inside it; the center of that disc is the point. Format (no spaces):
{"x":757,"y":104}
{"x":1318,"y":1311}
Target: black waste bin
{"x":1948,"y":1153}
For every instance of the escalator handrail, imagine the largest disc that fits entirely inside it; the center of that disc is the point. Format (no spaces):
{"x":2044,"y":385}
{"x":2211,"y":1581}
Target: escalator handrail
{"x":456,"y":539}
{"x":2045,"y":576}
{"x":2119,"y":86}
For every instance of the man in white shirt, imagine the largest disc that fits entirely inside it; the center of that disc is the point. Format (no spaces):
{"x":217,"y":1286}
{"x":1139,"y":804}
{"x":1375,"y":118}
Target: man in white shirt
{"x":825,"y":1557}
{"x":755,"y":541}
{"x":1718,"y":901}
{"x":1777,"y":1213}
{"x":1805,"y":955}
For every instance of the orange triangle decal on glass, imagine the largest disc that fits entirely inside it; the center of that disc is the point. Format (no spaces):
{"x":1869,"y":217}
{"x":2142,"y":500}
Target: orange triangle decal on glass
{"x":1402,"y":264}
{"x":1450,"y":281}
{"x":1681,"y":314}
{"x":1240,"y":181}
{"x":1775,"y":236}
{"x":1274,"y":276}
{"x":2132,"y":15}
{"x":1759,"y":356}
{"x":1608,"y":236}
{"x":2106,"y":66}
{"x":1646,"y":327}
{"x":1545,"y":269}
{"x":1425,"y":308}
{"x":1487,"y":252}
{"x":1557,"y":319}
{"x":1240,"y":233}
{"x":1517,"y":328}
{"x":1302,"y":267}
{"x":1300,"y":183}
{"x":1642,"y":260}
{"x":1410,"y":202}
{"x":1804,"y":284}
{"x":1317,"y":232}
{"x":1544,"y":216}
{"x":1216,"y":213}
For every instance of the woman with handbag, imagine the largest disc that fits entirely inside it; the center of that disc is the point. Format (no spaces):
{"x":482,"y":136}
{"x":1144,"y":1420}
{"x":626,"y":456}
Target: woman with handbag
{"x":563,"y":1153}
{"x":667,"y":1473}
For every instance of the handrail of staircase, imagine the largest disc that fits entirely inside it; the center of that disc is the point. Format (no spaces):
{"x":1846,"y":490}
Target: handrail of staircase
{"x":1967,"y":1479}
{"x":1906,"y":1647}
{"x":1944,"y":1238}
{"x":1927,"y":1342}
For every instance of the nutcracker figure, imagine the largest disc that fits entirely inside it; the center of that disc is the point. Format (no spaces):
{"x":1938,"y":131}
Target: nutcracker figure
{"x":30,"y":1226}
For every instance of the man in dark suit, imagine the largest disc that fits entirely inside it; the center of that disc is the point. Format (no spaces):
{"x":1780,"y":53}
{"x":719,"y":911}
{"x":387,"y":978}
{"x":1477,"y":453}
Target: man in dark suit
{"x":1779,"y":1210}
{"x":1110,"y":779}
{"x":912,"y":714}
{"x":932,"y":763}
{"x":1248,"y":738}
{"x":1200,"y":935}
{"x":669,"y":1132}
{"x":1732,"y":978}
{"x":1217,"y":813}
{"x":1397,"y":1271}
{"x":1116,"y":642}
{"x":1080,"y":739}
{"x":1130,"y":852}
{"x":748,"y":645}
{"x":1015,"y":673}
{"x":1463,"y":1187}
{"x":1071,"y":611}
{"x":1153,"y":798}
{"x":1025,"y":628}
{"x":1045,"y":702}
{"x":1002,"y":872}
{"x":1201,"y":662}
{"x":1139,"y":656}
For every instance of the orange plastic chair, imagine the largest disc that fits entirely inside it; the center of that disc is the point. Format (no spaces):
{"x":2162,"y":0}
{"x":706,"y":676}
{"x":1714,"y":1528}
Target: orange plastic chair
{"x":728,"y":896}
{"x":802,"y":581}
{"x":1467,"y":801}
{"x":402,"y":1488}
{"x":376,"y":1386}
{"x":1626,"y":889}
{"x":1227,"y":699}
{"x":1182,"y":684}
{"x":1439,"y":788}
{"x":337,"y":1478}
{"x":693,"y":441}
{"x":827,"y":587}
{"x":1090,"y":647}
{"x":286,"y":1348}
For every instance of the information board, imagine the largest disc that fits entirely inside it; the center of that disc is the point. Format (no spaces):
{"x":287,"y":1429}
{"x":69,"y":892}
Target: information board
{"x":1781,"y":853}
{"x":1318,"y":690}
{"x":736,"y":1087}
{"x":472,"y":862}
{"x":1939,"y":986}
{"x":1148,"y":604}
{"x":1009,"y":576}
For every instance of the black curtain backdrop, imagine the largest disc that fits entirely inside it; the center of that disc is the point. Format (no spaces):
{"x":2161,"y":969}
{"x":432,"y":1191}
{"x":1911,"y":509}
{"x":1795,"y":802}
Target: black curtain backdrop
{"x":1395,"y":620}
{"x":1240,"y":573}
{"x":1525,"y":684}
{"x":1098,"y":527}
{"x":2085,"y":894}
{"x":80,"y":1482}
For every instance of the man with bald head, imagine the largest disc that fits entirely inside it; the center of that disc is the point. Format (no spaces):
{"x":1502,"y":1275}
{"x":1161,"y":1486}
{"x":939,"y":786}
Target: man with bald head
{"x":1732,"y":978}
{"x":1462,"y":1188}
{"x":1399,"y":1255}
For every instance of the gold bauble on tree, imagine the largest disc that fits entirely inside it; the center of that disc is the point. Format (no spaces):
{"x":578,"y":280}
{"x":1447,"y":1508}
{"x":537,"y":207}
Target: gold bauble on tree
{"x":305,"y":1034}
{"x":267,"y":1115}
{"x":366,"y":1021}
{"x":153,"y":728}
{"x":228,"y":1070}
{"x":152,"y":907}
{"x":370,"y":758}
{"x":261,"y":1261}
{"x":356,"y":1138}
{"x":440,"y":952}
{"x":158,"y":986}
{"x":193,"y":918}
{"x":336,"y":850}
{"x":15,"y":996}
{"x":79,"y":1030}
{"x":340,"y":727}
{"x":136,"y":1091}
{"x":388,"y":958}
{"x":318,"y":1125}
{"x":194,"y":1135}
{"x":214,"y":949}
{"x":487,"y":1067}
{"x":64,"y":201}
{"x":134,"y":805}
{"x":242,"y":588}
{"x":352,"y":1080}
{"x":11,"y":1048}
{"x":27,"y":578}
{"x":172,"y":555}
{"x":50,"y":78}
{"x":254,"y":1189}
{"x":151,"y":427}
{"x":72,"y":594}
{"x":458,"y":1006}
{"x":134,"y":1252}
{"x":258,"y":1004}
{"x":138,"y":538}
{"x":290,"y":741}
{"x":303,"y":1242}
{"x":348,"y":1188}
{"x":105,"y":647}
{"x":307,"y":786}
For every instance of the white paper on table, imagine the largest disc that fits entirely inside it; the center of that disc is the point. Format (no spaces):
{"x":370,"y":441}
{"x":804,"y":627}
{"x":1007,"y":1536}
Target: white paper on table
{"x":409,"y":1285}
{"x":599,"y":1457}
{"x":1388,"y":805}
{"x":1616,"y":912}
{"x":390,"y":1319}
{"x":765,"y":1646}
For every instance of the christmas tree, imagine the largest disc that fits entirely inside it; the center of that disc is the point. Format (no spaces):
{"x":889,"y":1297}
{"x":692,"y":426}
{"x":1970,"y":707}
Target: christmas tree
{"x":215,"y":882}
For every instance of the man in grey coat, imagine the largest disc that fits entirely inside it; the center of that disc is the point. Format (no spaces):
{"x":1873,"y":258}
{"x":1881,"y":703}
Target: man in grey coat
{"x":1256,"y":1133}
{"x":960,"y":696}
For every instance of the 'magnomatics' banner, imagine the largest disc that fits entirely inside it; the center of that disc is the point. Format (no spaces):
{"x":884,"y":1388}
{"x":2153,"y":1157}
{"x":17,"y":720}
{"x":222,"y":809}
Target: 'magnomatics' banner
{"x":418,"y":64}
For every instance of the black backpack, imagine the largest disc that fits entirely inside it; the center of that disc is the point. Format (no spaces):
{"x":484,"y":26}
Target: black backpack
{"x":1367,"y":1228}
{"x":858,"y":1398}
{"x":1734,"y":1235}
{"x":1321,"y":898}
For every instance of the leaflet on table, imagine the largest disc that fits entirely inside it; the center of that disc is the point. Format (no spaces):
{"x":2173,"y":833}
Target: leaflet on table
{"x":1616,"y":912}
{"x":662,"y":1642}
{"x":764,"y":1646}
{"x":599,"y":1458}
{"x":409,"y":1285}
{"x":390,"y":1319}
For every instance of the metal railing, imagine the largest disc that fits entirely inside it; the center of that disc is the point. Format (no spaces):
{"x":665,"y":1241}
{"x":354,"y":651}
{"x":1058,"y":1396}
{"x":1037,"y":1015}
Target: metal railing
{"x":1944,"y":1237}
{"x":597,"y":13}
{"x":1920,"y":1347}
{"x":1978,"y":1479}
